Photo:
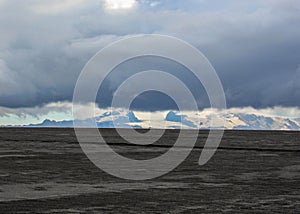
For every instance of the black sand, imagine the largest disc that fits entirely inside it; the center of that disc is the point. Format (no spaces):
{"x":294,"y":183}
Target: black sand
{"x":45,"y":171}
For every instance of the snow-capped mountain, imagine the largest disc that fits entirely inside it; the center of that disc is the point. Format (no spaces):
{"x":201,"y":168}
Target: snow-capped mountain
{"x":184,"y":120}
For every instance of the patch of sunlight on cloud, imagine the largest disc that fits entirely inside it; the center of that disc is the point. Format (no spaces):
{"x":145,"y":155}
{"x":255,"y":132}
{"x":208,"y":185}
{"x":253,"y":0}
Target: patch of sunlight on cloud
{"x":119,"y":4}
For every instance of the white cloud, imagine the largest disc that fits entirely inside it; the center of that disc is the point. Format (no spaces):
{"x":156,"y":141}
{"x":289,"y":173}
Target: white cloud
{"x":56,"y":6}
{"x":37,"y":111}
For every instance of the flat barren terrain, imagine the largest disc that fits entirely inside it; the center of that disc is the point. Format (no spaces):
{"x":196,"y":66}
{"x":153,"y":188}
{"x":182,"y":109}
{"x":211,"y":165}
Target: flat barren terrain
{"x":45,"y":171}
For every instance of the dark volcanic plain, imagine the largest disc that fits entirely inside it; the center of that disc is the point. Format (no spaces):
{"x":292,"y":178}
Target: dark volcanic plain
{"x":45,"y":171}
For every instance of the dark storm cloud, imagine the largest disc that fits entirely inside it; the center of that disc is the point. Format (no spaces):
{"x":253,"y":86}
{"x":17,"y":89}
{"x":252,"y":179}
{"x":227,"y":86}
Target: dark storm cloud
{"x":153,"y":100}
{"x":254,"y":46}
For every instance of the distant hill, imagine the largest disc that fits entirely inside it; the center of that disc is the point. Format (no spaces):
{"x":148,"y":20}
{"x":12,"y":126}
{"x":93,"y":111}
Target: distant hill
{"x":53,"y":123}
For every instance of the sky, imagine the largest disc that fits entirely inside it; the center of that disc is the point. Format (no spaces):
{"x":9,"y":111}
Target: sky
{"x":254,"y":47}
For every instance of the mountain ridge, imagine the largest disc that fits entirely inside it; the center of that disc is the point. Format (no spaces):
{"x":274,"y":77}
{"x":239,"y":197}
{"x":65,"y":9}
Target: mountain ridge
{"x":174,"y":120}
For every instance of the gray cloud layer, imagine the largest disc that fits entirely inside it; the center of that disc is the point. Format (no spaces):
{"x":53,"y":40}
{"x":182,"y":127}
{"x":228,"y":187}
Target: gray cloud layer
{"x":254,"y":46}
